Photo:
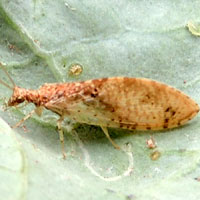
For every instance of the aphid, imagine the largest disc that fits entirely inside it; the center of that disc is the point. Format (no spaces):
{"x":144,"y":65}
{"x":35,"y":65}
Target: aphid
{"x":151,"y":143}
{"x":194,"y":28}
{"x":118,"y":102}
{"x":155,"y":155}
{"x":75,"y":70}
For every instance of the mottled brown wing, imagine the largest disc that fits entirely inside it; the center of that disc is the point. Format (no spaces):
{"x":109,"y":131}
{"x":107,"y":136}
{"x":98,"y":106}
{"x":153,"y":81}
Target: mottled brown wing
{"x":146,"y":104}
{"x":130,"y":103}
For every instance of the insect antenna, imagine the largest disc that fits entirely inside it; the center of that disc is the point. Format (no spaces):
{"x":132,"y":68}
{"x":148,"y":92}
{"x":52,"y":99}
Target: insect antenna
{"x":5,"y":84}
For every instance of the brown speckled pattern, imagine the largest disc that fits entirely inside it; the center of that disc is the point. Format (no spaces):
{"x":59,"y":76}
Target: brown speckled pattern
{"x":129,"y":103}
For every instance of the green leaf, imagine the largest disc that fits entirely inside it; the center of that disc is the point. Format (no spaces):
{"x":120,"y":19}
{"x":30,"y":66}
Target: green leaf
{"x":40,"y":41}
{"x":13,"y":167}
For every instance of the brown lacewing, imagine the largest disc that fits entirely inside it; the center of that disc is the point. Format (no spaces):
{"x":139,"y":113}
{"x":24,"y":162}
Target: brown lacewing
{"x":117,"y":102}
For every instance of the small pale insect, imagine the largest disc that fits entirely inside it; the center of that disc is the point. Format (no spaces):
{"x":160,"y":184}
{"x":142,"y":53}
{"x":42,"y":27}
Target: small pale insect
{"x":75,"y":70}
{"x":194,"y":28}
{"x":155,"y":155}
{"x":151,"y":143}
{"x":118,"y":102}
